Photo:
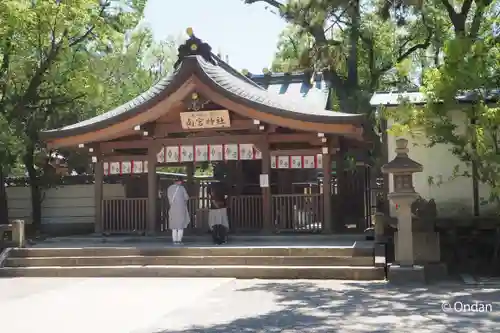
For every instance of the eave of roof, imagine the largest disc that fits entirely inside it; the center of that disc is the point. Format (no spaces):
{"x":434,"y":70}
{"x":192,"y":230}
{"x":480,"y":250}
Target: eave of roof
{"x":147,"y":99}
{"x":252,"y":95}
{"x":220,"y":77}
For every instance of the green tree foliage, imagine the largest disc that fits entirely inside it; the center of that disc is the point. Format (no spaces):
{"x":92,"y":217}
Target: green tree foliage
{"x":351,"y":43}
{"x":446,"y":47}
{"x":470,"y":66}
{"x":294,"y":51}
{"x":64,"y":61}
{"x":360,"y":46}
{"x":130,"y":65}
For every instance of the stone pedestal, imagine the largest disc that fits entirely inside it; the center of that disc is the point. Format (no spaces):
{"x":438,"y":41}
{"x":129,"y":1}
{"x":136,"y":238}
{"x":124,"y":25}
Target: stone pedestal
{"x":16,"y":228}
{"x":403,"y":244}
{"x":401,"y":274}
{"x":427,"y":265}
{"x":18,"y":233}
{"x":379,"y":227}
{"x":416,"y":274}
{"x":425,"y":247}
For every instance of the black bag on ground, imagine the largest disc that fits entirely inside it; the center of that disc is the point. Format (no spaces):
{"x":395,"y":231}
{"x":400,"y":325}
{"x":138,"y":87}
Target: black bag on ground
{"x":219,"y":234}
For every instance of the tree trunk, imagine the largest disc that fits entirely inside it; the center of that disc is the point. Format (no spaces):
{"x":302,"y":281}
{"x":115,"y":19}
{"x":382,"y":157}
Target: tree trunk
{"x":354,"y":34}
{"x":4,"y":207}
{"x":347,"y":98}
{"x":347,"y":89}
{"x":36,"y":197}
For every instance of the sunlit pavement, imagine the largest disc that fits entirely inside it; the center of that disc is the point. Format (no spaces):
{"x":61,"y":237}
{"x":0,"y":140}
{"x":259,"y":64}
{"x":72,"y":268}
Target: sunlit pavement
{"x":153,"y":305}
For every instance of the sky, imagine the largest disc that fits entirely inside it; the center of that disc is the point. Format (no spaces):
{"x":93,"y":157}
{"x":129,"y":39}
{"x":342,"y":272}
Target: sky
{"x":247,"y":34}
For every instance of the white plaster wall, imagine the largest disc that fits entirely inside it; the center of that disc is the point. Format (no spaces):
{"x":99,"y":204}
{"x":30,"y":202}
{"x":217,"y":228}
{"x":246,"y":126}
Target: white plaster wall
{"x":64,"y":204}
{"x":454,"y":196}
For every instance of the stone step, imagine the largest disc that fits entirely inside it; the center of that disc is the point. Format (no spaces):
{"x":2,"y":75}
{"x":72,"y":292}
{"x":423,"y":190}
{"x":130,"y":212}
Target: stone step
{"x":189,"y":260}
{"x":166,"y":238}
{"x":275,"y":251}
{"x":229,"y":271}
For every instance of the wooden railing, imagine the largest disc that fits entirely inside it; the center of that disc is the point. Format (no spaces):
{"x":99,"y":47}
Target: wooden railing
{"x":124,"y":215}
{"x":198,"y":213}
{"x":298,"y":212}
{"x":291,"y":212}
{"x":245,"y":213}
{"x":197,"y":208}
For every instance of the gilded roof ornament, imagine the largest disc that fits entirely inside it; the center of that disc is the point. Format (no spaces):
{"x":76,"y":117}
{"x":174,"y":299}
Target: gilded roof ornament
{"x":194,"y":46}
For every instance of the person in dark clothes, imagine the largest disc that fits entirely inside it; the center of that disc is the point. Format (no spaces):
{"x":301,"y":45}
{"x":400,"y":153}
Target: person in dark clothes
{"x":217,"y":217}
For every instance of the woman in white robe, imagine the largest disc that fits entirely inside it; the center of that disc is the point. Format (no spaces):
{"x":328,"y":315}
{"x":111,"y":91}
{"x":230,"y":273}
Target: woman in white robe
{"x":178,"y":214}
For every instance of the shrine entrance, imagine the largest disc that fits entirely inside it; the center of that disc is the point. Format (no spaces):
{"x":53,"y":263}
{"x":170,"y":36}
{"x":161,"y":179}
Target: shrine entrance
{"x":281,"y":162}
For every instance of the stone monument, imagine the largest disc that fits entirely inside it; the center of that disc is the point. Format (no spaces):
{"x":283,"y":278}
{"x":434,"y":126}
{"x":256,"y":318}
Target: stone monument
{"x":417,"y":251}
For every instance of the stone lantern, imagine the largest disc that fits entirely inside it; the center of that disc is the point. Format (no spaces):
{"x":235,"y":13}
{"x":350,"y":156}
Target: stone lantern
{"x":414,"y":250}
{"x":402,"y":169}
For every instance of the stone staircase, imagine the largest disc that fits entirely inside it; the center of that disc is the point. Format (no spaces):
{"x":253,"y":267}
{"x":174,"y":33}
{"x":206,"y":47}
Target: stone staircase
{"x":265,"y":262}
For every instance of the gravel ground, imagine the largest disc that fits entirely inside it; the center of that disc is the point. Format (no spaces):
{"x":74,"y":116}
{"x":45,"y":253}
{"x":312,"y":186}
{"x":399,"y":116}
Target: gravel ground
{"x":153,"y":305}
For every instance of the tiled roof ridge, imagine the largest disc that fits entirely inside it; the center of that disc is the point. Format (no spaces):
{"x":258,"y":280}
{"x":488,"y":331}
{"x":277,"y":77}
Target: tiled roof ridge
{"x":195,"y":56}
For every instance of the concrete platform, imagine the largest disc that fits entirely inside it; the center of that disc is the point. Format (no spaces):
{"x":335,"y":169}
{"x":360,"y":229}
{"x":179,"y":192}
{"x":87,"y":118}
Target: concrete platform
{"x":144,"y":260}
{"x":274,"y":257}
{"x":364,"y":273}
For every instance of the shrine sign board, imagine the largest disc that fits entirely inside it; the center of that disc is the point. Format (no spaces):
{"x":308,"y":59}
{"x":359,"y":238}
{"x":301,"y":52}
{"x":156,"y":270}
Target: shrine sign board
{"x":205,"y":119}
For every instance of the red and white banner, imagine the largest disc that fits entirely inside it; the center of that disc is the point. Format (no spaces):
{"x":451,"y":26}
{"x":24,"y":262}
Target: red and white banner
{"x":204,"y":153}
{"x":297,"y":162}
{"x":125,"y":168}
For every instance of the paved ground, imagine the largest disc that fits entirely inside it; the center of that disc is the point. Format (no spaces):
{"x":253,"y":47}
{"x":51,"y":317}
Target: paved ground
{"x":108,"y":305}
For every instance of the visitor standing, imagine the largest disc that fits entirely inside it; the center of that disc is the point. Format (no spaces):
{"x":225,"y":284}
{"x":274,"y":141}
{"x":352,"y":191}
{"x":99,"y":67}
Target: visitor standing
{"x":217,"y":216}
{"x":178,"y":214}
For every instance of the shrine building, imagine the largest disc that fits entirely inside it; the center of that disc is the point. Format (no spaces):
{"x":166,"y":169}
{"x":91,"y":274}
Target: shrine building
{"x":270,"y":139}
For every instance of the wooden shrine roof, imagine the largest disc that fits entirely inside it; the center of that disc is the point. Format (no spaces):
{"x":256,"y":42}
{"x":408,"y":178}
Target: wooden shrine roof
{"x":196,"y":60}
{"x":313,"y":89}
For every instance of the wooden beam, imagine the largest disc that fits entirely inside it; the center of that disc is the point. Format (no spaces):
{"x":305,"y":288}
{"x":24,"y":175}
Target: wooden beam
{"x":181,"y":141}
{"x":296,"y":152}
{"x":124,"y":158}
{"x":295,"y":137}
{"x":162,"y":129}
{"x":211,"y":140}
{"x":272,"y":128}
{"x":333,"y":141}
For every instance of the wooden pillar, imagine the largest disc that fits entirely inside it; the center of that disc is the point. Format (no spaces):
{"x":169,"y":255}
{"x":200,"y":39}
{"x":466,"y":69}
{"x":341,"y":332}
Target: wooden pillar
{"x":339,"y":224}
{"x":267,"y":212}
{"x":190,"y":170}
{"x":152,"y":190}
{"x":98,"y":189}
{"x":240,"y":181}
{"x":327,"y":192}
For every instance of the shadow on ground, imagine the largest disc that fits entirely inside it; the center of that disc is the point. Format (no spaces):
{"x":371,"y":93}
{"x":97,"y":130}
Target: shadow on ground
{"x":358,"y":307}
